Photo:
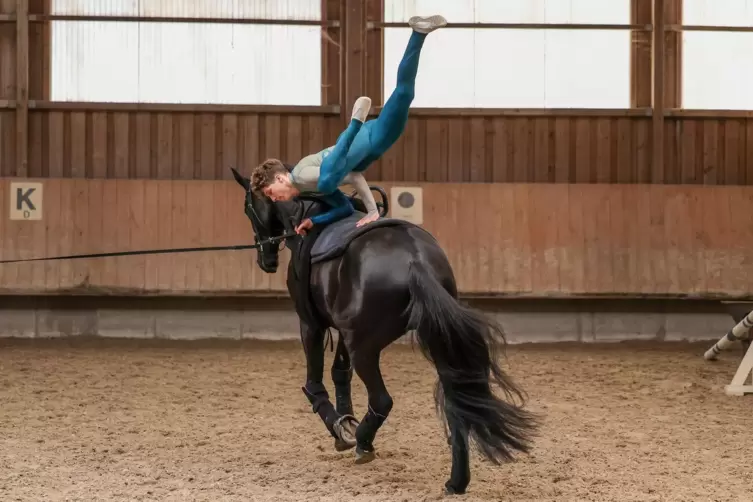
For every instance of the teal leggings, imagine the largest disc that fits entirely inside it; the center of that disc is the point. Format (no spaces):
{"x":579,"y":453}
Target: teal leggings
{"x":363,"y":143}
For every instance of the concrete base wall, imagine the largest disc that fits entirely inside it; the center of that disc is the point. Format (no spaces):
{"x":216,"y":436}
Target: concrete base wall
{"x":192,"y":319}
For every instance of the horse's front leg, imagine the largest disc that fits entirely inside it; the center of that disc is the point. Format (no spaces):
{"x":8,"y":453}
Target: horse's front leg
{"x":315,"y":391}
{"x":342,"y":374}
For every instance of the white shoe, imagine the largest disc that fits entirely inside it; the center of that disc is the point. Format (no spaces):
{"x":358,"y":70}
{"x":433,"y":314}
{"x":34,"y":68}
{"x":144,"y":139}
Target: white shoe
{"x":427,"y":24}
{"x":361,"y":109}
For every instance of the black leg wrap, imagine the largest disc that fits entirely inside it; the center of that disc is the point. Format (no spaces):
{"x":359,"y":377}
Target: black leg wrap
{"x":343,"y":400}
{"x":368,"y":428}
{"x":319,"y":399}
{"x":316,"y":394}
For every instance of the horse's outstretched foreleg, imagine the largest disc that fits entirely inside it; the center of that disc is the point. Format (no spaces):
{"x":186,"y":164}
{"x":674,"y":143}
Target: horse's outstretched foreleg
{"x":339,"y":426}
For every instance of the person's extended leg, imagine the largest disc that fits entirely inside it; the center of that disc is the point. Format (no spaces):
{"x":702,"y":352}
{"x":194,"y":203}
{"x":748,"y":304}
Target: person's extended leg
{"x":378,"y":135}
{"x":335,"y":165}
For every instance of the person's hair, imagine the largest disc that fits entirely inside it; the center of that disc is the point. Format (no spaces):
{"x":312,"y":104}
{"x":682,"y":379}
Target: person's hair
{"x":264,"y":174}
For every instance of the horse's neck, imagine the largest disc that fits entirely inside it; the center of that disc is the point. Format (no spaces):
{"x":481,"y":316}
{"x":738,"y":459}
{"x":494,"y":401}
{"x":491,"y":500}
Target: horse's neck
{"x":293,"y":212}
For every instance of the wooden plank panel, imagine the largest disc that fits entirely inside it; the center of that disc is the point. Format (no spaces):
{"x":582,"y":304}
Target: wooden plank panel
{"x":604,"y":245}
{"x":77,"y":138}
{"x":165,"y":146}
{"x":80,"y":219}
{"x":740,"y":224}
{"x":99,"y":144}
{"x":36,"y":146}
{"x":8,"y":242}
{"x":713,"y":172}
{"x":583,"y":142}
{"x":166,"y":264}
{"x":67,"y":232}
{"x":502,"y":150}
{"x":601,"y":171}
{"x":208,"y":135}
{"x":193,"y":233}
{"x":110,"y":242}
{"x":633,"y":223}
{"x":4,"y":187}
{"x":204,"y":202}
{"x":624,"y":166}
{"x":180,"y":228}
{"x":137,"y":264}
{"x":222,"y":235}
{"x":151,"y":234}
{"x":710,"y":218}
{"x":522,"y":149}
{"x":510,"y":276}
{"x":186,"y":145}
{"x":522,"y":229}
{"x":515,"y":239}
{"x":570,"y":242}
{"x":545,"y":259}
{"x":413,"y":161}
{"x":7,"y":143}
{"x":619,"y":215}
{"x":93,"y":233}
{"x":563,"y":149}
{"x":642,"y":142}
{"x":477,"y":161}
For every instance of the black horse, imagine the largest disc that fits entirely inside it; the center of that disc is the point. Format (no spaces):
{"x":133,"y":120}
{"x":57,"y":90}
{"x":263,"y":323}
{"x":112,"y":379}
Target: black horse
{"x":374,"y":285}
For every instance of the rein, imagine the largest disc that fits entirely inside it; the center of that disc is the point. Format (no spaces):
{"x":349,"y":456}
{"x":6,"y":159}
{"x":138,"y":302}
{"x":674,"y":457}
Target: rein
{"x":258,"y":244}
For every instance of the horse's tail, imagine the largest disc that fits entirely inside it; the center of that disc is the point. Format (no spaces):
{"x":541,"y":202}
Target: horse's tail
{"x":463,"y":345}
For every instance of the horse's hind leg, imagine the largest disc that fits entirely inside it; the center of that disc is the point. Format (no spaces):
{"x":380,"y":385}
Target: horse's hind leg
{"x":315,"y":391}
{"x":366,"y":366}
{"x":460,"y":476}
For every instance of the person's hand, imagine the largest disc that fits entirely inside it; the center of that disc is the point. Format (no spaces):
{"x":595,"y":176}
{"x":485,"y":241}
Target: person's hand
{"x":304,"y":226}
{"x":367,"y":219}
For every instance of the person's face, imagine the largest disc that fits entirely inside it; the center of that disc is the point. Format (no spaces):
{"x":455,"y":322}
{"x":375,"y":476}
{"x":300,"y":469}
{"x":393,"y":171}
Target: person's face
{"x":280,"y":189}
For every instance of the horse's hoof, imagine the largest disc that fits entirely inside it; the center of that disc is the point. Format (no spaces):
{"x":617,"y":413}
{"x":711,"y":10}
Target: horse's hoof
{"x":364,"y":457}
{"x":341,"y":445}
{"x":451,"y":490}
{"x":345,"y":430}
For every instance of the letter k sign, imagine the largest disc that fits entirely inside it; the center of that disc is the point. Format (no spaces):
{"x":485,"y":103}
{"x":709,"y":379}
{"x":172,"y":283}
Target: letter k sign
{"x":25,"y":201}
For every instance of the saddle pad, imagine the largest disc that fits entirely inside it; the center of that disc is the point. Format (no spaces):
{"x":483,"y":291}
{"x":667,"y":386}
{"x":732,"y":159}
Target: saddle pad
{"x":335,"y":238}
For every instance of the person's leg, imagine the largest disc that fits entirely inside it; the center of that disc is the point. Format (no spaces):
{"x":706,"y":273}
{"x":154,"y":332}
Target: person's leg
{"x":377,"y":136}
{"x":335,"y":165}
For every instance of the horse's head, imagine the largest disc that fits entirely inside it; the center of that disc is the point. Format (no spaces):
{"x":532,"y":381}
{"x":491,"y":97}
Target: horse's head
{"x":265,"y":223}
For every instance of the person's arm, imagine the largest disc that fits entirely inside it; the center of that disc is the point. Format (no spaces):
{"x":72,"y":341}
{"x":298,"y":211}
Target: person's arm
{"x":362,"y":187}
{"x":341,"y":208}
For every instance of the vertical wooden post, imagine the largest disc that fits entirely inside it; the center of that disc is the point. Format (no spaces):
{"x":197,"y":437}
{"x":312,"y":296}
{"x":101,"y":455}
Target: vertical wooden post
{"x":657,"y":92}
{"x":354,"y":13}
{"x":673,"y":55}
{"x":331,"y":53}
{"x":640,"y":55}
{"x":22,"y":88}
{"x":375,"y":53}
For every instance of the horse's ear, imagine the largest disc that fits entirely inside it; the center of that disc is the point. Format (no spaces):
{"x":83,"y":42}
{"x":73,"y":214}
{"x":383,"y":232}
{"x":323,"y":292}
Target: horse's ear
{"x":244,"y":182}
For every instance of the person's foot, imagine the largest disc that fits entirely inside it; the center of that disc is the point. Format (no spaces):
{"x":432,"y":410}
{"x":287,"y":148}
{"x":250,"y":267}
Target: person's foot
{"x":367,"y":219}
{"x":427,"y":24}
{"x":361,"y":109}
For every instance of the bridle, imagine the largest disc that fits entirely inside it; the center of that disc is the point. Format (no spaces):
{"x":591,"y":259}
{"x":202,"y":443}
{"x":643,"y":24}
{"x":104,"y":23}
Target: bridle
{"x":256,"y":222}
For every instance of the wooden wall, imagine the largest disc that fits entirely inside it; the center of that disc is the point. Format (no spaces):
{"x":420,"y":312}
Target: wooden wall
{"x":483,"y":148}
{"x":570,"y":195}
{"x":516,"y":240}
{"x":101,"y":140}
